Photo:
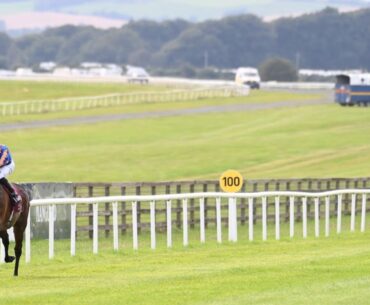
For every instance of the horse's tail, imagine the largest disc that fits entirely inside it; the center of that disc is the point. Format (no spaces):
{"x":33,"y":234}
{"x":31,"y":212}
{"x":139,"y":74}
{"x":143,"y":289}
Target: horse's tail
{"x":28,"y":193}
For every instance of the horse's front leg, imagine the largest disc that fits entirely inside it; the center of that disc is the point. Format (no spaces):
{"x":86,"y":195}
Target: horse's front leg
{"x":5,"y":237}
{"x":19,"y":228}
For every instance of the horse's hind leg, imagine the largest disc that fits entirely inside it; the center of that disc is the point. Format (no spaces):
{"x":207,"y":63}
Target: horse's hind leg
{"x":5,"y":237}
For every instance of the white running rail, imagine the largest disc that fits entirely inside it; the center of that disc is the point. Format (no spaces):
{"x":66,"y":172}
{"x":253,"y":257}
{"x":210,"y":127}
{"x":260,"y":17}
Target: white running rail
{"x":295,"y":198}
{"x":71,"y":104}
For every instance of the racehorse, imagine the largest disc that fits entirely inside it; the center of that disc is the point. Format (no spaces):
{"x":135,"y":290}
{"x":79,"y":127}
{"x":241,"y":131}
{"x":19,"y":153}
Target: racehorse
{"x":19,"y":226}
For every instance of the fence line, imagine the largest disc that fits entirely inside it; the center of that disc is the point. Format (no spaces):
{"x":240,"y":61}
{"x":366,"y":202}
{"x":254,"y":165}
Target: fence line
{"x":85,"y":219}
{"x":70,"y":104}
{"x":295,"y":198}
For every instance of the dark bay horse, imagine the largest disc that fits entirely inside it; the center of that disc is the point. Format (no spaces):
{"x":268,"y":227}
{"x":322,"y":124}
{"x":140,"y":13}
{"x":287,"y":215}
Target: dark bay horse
{"x":19,"y":226}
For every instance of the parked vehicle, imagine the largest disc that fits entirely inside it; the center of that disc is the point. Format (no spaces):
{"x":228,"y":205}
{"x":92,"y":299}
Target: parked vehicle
{"x":137,"y":75}
{"x":248,"y":76}
{"x":352,"y":89}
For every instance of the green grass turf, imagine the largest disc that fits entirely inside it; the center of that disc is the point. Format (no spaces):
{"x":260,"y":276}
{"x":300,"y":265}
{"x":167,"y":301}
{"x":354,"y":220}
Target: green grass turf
{"x":307,"y":141}
{"x":332,"y":270}
{"x":36,"y":90}
{"x":318,"y":140}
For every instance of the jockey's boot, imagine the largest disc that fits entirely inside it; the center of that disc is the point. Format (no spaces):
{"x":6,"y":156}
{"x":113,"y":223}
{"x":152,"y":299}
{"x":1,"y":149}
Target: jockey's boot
{"x":16,"y":201}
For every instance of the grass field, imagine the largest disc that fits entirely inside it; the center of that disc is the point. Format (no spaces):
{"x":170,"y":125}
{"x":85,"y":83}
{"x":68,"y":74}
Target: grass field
{"x":306,"y":141}
{"x":309,"y":141}
{"x":332,"y":270}
{"x":36,"y":90}
{"x":135,"y":150}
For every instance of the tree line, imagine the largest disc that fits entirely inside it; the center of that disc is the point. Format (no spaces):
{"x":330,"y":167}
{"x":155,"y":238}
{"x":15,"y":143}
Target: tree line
{"x":323,"y":40}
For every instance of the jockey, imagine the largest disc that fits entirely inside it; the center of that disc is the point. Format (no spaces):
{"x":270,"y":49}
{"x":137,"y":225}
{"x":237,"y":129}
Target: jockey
{"x":7,"y":166}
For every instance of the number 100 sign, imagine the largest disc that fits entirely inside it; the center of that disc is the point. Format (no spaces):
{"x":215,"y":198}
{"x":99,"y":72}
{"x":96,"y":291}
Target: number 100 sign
{"x":231,"y":181}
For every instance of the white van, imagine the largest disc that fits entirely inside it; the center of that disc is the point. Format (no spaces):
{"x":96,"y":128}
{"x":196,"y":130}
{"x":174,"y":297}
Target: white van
{"x":248,"y":76}
{"x":137,"y":75}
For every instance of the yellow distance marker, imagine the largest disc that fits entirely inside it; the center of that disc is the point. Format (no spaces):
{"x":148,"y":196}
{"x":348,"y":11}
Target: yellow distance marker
{"x":231,"y":181}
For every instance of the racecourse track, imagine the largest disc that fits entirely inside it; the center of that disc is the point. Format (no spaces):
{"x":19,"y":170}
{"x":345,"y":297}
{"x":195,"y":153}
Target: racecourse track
{"x":324,"y":99}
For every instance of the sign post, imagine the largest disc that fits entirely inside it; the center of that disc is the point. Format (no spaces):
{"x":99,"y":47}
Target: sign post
{"x":231,"y":181}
